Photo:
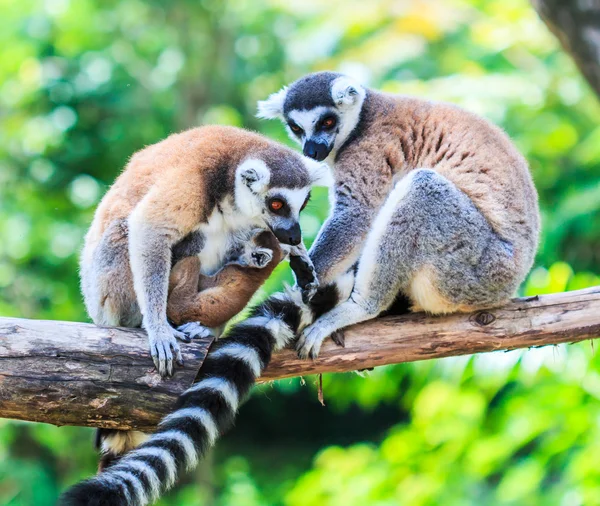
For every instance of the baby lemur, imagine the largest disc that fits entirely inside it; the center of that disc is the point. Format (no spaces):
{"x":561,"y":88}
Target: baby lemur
{"x":214,"y":299}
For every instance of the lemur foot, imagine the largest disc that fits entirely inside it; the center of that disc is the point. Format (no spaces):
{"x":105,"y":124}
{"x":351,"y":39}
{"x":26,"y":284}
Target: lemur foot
{"x":260,"y":258}
{"x":195,"y":330}
{"x":163,"y":346}
{"x":310,"y":341}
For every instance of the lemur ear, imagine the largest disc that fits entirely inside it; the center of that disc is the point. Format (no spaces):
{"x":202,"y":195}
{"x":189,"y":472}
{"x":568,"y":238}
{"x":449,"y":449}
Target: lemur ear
{"x":273,"y":106}
{"x":320,"y":173}
{"x":346,"y":91}
{"x":254,"y":174}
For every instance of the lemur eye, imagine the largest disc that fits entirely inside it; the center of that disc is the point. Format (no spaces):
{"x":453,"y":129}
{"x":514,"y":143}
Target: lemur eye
{"x":295,"y":128}
{"x":329,"y":122}
{"x":276,"y":204}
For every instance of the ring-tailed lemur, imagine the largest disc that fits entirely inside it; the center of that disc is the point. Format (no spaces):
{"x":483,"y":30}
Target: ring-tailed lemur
{"x":431,"y":201}
{"x":186,"y":195}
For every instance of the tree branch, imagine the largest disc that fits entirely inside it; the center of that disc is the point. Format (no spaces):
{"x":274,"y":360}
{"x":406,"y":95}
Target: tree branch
{"x":576,"y":24}
{"x":79,"y":374}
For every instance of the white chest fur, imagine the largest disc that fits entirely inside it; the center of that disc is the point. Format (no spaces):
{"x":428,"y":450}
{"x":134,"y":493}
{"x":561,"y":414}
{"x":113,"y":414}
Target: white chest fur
{"x":218,"y":231}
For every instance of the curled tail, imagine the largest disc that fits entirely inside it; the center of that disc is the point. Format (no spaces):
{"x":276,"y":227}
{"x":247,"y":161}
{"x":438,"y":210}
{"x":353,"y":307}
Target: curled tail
{"x":206,"y":409}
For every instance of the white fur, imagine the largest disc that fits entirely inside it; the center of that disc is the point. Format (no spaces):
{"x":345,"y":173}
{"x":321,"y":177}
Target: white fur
{"x":368,"y":259}
{"x":345,"y":285}
{"x":147,"y":470}
{"x":221,"y":226}
{"x":221,"y":385}
{"x":295,"y":198}
{"x":349,"y":97}
{"x":184,"y":441}
{"x":306,"y":119}
{"x":254,"y":169}
{"x":140,"y":494}
{"x":159,"y":453}
{"x":245,"y":353}
{"x":122,"y":441}
{"x":200,"y":415}
{"x":320,"y":173}
{"x":281,"y":332}
{"x":272,"y":107}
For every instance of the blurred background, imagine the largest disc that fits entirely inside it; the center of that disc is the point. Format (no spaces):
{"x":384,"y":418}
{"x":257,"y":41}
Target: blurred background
{"x":84,"y":84}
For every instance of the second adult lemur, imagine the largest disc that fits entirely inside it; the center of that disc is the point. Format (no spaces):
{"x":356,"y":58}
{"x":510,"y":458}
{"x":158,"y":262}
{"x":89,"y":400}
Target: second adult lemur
{"x":431,"y":201}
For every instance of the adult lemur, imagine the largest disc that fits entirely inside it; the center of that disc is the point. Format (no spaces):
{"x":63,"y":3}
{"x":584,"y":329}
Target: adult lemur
{"x":187,"y":195}
{"x":430,"y":201}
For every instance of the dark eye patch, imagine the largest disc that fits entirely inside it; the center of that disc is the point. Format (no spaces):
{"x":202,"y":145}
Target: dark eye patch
{"x":295,"y":128}
{"x":328,"y":122}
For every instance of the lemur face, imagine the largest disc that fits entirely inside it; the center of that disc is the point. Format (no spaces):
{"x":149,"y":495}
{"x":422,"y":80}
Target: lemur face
{"x":275,"y":186}
{"x":319,"y":111}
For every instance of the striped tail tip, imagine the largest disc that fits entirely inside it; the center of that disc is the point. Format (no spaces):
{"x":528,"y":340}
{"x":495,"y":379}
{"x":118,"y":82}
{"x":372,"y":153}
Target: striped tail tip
{"x":95,"y":493}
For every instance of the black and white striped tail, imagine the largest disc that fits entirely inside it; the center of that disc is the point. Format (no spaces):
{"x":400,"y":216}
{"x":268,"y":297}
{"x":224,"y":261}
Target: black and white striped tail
{"x":206,"y":409}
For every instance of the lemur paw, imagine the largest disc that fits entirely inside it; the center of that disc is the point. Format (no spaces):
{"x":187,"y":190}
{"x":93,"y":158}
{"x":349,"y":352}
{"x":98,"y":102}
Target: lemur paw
{"x":163,"y":347}
{"x":195,"y":330}
{"x":309,"y":290}
{"x":310,"y":341}
{"x":260,"y":257}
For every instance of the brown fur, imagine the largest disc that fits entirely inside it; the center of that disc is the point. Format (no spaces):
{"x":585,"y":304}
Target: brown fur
{"x":214,"y":300}
{"x":173,"y":175}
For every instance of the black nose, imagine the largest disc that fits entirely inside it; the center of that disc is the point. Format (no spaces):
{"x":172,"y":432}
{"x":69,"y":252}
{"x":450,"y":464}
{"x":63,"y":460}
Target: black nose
{"x":316,"y":150}
{"x":292,"y":235}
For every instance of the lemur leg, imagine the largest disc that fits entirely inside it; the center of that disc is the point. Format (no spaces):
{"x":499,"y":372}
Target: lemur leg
{"x":304,"y":270}
{"x":430,"y":242}
{"x":106,"y":280}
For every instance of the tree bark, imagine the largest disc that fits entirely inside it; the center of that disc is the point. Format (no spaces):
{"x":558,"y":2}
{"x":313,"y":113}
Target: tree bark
{"x":78,"y":374}
{"x":576,"y":24}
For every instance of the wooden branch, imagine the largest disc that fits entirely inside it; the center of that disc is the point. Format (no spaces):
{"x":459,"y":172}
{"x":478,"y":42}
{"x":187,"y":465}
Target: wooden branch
{"x":576,"y":24}
{"x":79,"y":374}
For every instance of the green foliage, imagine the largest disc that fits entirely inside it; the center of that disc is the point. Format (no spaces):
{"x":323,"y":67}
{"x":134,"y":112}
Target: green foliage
{"x":85,"y":83}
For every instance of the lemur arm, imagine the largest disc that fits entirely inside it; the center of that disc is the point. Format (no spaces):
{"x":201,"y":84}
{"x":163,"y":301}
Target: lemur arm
{"x":158,"y":222}
{"x":339,"y":242}
{"x":303,"y":269}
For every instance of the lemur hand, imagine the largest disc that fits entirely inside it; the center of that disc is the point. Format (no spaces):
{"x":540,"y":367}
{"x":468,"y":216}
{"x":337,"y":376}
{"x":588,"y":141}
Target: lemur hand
{"x":306,"y":276}
{"x":163,"y":345}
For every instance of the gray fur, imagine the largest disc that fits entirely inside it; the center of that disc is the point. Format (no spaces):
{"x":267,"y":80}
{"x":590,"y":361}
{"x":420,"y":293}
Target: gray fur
{"x":472,"y":264}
